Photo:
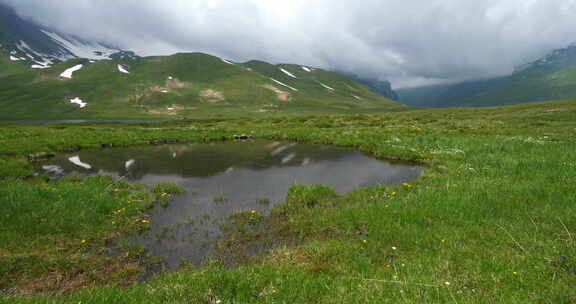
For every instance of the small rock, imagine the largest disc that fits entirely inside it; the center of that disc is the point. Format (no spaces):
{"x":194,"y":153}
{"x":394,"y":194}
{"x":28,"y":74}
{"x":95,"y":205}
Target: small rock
{"x":242,"y":137}
{"x":40,"y":156}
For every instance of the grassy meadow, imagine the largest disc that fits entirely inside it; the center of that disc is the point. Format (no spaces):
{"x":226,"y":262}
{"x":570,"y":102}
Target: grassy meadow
{"x":491,"y":220}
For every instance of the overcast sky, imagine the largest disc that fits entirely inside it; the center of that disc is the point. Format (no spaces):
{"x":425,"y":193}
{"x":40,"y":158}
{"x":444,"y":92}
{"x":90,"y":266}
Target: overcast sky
{"x":409,"y":42}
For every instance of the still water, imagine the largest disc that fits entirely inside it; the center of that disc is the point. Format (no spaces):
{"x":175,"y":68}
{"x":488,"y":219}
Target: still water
{"x":222,"y":178}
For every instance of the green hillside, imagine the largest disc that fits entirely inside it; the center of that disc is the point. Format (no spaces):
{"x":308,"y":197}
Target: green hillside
{"x":191,"y":85}
{"x":8,"y":67}
{"x":447,"y":95}
{"x":551,"y":77}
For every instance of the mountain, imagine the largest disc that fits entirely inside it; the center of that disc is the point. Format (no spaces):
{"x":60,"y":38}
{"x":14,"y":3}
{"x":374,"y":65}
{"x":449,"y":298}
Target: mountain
{"x":40,"y":47}
{"x":548,"y":78}
{"x":382,"y":87}
{"x":448,"y":95}
{"x":192,"y":85}
{"x":45,"y":74}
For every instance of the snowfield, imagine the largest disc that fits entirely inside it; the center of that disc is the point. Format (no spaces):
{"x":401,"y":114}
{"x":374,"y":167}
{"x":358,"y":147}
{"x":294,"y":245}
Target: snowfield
{"x":68,"y":73}
{"x":288,"y":73}
{"x":79,"y":102}
{"x":283,"y":84}
{"x":80,"y":49}
{"x":122,"y":69}
{"x":39,"y":58}
{"x":326,"y":87}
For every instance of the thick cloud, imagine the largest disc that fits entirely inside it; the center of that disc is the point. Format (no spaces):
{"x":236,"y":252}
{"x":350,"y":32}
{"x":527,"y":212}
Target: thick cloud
{"x":409,"y":42}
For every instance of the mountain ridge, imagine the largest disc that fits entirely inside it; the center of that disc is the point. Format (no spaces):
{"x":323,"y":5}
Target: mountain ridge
{"x":551,"y":77}
{"x":41,"y":47}
{"x":180,"y":85}
{"x":53,"y":75}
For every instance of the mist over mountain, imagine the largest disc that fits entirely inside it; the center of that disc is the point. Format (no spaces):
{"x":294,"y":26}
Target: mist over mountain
{"x":409,"y":43}
{"x":42,"y":46}
{"x":40,"y":40}
{"x":46,"y":74}
{"x":550,"y":77}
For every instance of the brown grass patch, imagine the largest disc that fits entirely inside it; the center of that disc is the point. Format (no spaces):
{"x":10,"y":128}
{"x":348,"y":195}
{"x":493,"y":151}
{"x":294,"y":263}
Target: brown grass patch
{"x":156,"y":89}
{"x":117,"y":273}
{"x":281,"y":95}
{"x":212,"y":95}
{"x":175,"y":83}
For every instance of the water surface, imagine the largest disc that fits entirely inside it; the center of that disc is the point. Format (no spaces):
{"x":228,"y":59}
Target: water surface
{"x":222,"y":178}
{"x":76,"y":121}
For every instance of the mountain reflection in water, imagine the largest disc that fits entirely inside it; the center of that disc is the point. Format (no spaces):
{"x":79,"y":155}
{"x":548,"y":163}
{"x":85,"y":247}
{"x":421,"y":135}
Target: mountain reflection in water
{"x":240,"y":175}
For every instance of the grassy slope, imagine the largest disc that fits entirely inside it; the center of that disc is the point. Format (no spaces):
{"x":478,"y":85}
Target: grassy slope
{"x":109,"y":93}
{"x":8,"y":67}
{"x":491,"y":221}
{"x":534,"y":84}
{"x":446,"y":95}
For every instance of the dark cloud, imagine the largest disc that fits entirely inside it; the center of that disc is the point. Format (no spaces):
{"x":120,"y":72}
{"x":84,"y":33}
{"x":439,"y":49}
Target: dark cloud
{"x":408,"y":42}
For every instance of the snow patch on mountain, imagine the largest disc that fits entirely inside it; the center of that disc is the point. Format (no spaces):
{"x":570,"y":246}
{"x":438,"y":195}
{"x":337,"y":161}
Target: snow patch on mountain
{"x":68,"y":73}
{"x":288,"y":73}
{"x":79,"y":102}
{"x":80,"y":49}
{"x":122,"y":69}
{"x":326,"y":87}
{"x":39,"y":66}
{"x":283,"y":84}
{"x":37,"y":57}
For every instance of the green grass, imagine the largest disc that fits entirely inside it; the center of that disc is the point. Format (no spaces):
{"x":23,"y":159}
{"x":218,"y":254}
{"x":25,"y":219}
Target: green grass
{"x":42,"y":94}
{"x":491,"y":220}
{"x":59,"y":230}
{"x":165,"y":191}
{"x":537,"y":83}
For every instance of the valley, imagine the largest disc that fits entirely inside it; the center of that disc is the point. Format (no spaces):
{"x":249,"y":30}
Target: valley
{"x":182,"y":176}
{"x":550,"y":77}
{"x":489,"y":220}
